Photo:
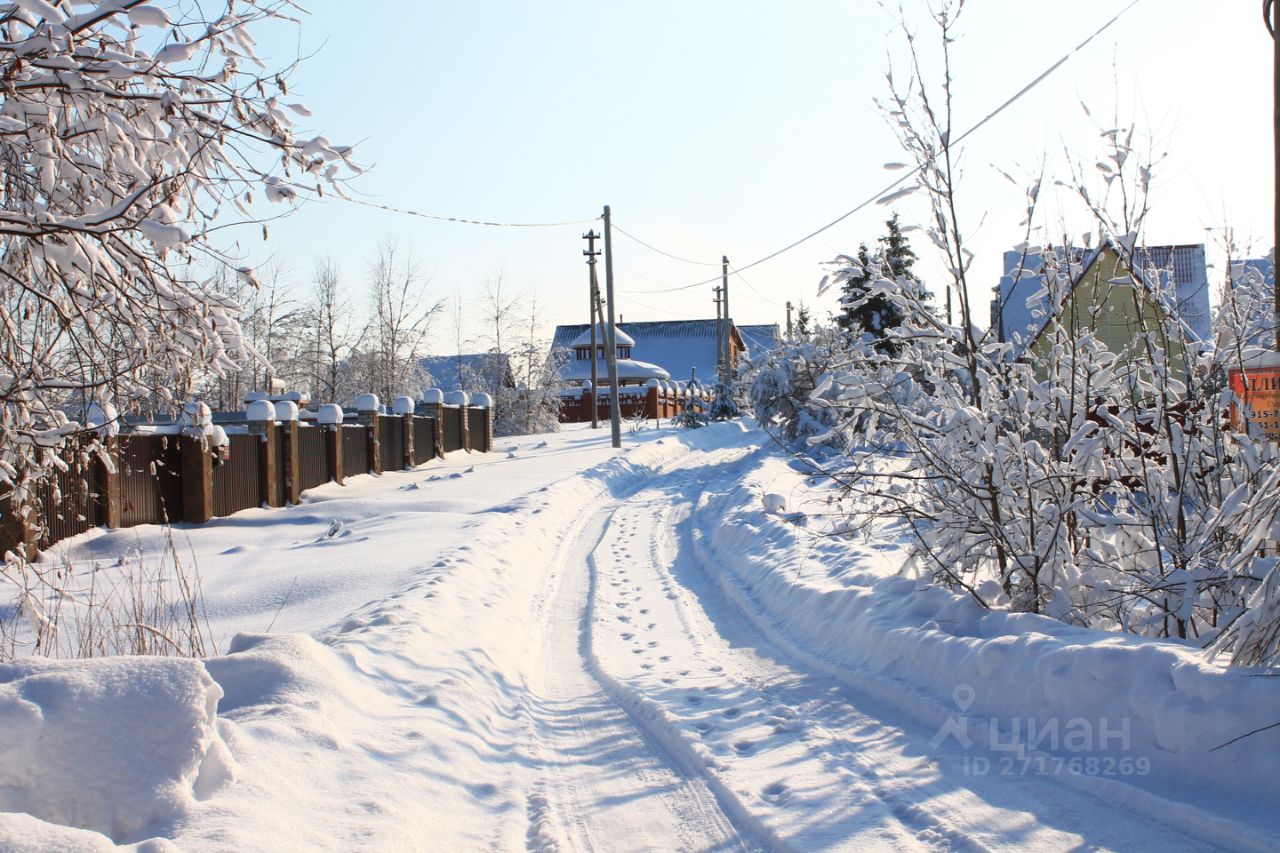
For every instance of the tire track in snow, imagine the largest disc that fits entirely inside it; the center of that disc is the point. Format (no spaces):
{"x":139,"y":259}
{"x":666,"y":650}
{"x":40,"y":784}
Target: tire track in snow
{"x":855,"y":750}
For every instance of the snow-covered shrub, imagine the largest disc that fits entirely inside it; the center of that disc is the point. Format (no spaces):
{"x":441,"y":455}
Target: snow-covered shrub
{"x":786,"y":387}
{"x":693,"y":415}
{"x":1108,"y":489}
{"x":723,"y":405}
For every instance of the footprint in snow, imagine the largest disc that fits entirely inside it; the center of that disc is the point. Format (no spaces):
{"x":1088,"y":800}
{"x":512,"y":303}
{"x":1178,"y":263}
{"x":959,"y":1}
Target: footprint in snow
{"x":777,"y":793}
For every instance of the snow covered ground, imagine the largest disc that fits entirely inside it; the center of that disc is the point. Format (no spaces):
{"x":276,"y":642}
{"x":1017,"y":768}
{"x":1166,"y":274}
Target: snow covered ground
{"x":559,"y":646}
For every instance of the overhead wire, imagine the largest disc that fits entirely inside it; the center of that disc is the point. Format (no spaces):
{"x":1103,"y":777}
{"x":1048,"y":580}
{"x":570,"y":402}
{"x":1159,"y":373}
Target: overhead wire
{"x":908,"y":175}
{"x":460,"y":219}
{"x":652,"y":248}
{"x":753,"y":289}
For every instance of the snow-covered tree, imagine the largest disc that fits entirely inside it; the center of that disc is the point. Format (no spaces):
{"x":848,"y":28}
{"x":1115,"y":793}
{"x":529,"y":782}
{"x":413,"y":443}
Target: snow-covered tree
{"x":1108,"y":489}
{"x":402,"y":312}
{"x":126,"y":130}
{"x":862,"y":313}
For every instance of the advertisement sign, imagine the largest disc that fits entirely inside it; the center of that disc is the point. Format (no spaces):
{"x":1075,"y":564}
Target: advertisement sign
{"x":1259,"y":389}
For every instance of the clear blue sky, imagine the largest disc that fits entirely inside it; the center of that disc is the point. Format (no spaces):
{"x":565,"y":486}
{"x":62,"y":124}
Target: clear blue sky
{"x":735,"y":126}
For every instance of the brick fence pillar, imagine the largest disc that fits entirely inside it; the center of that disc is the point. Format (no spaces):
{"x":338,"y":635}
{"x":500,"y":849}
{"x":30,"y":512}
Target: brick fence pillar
{"x":261,"y":415}
{"x":329,"y":419}
{"x":106,"y":482}
{"x":403,"y":408}
{"x":289,"y":438}
{"x":197,"y":479}
{"x":458,"y":401}
{"x":367,"y":406}
{"x":433,"y":403}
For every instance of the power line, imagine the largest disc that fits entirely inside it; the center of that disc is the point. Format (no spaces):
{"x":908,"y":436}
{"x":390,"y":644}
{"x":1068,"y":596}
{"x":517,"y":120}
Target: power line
{"x":660,"y":251}
{"x":900,"y":181}
{"x":462,"y":220}
{"x":775,"y":303}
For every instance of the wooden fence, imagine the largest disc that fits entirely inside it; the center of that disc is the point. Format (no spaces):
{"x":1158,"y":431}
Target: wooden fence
{"x":649,"y":403}
{"x":157,"y":479}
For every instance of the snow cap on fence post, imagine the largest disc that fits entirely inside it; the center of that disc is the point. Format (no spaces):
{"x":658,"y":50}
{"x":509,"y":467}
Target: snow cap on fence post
{"x":260,"y":411}
{"x":482,"y":401}
{"x":456,"y":398}
{"x":434,"y":396}
{"x":195,"y":418}
{"x":367,"y":403}
{"x":402,"y":405}
{"x":330,"y":414}
{"x":286,"y":410}
{"x":104,"y":418}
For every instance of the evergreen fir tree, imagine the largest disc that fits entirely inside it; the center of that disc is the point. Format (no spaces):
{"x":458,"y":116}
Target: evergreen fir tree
{"x":804,"y":324}
{"x":877,"y":315}
{"x":853,"y":289}
{"x":897,"y":254}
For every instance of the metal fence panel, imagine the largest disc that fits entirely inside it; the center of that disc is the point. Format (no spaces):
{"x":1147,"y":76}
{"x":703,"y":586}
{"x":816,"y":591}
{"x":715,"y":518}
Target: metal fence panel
{"x":477,"y":423}
{"x":65,"y":501}
{"x":391,"y":443}
{"x":150,"y":479}
{"x":277,"y":497}
{"x":237,"y":482}
{"x":355,"y":451}
{"x":424,"y":440}
{"x":452,"y":429}
{"x":313,"y":464}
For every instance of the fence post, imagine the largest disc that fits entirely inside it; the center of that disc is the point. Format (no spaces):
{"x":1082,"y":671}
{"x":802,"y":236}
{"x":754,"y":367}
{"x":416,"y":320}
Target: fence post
{"x":433,"y":401}
{"x":287,"y":415}
{"x":197,"y":462}
{"x":403,"y":407}
{"x":18,"y":531}
{"x":460,"y":399}
{"x":197,"y":479}
{"x":367,"y":406}
{"x":106,"y":481}
{"x":329,"y":417}
{"x":485,"y":441}
{"x":261,"y":415}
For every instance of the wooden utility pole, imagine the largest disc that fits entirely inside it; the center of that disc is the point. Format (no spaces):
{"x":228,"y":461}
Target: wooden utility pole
{"x":1271,"y":12}
{"x":719,"y":337}
{"x":728,"y":321}
{"x":591,"y":237}
{"x":788,"y":319}
{"x":611,"y":335}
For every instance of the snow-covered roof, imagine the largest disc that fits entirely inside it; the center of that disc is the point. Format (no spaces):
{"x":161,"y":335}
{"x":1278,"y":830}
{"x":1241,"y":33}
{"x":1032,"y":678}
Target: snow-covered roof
{"x":629,"y":370}
{"x":584,"y":339}
{"x":680,"y":346}
{"x":761,"y":338}
{"x":482,"y":371}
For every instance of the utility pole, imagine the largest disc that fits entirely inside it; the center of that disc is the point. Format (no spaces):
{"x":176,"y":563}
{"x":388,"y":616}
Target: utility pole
{"x":591,"y":237}
{"x":728,"y":321}
{"x":719,"y":337}
{"x":611,"y":336}
{"x":788,"y":319}
{"x":1271,"y":12}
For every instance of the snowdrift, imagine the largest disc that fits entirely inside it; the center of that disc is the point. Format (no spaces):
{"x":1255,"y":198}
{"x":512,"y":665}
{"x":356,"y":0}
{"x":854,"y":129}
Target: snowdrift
{"x":1019,"y":686}
{"x":120,"y":746}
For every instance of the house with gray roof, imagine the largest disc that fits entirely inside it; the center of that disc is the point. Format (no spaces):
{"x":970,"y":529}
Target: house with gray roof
{"x":684,"y":349}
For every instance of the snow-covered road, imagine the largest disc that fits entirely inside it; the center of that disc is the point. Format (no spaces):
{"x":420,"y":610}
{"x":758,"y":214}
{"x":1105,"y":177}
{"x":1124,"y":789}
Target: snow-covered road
{"x":569,"y":663}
